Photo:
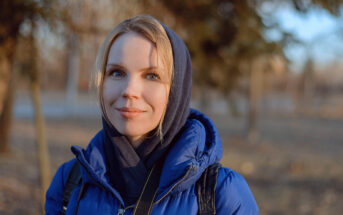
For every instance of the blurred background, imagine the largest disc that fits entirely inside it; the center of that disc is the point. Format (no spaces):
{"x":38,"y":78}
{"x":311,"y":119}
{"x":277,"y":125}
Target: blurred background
{"x":269,"y":74}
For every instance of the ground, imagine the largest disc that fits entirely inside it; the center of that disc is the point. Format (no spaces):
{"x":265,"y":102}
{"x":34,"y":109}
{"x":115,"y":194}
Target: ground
{"x":294,"y":168}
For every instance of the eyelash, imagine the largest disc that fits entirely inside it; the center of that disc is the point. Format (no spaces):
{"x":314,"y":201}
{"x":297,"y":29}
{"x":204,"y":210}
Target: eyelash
{"x":116,"y":72}
{"x":156,"y":76}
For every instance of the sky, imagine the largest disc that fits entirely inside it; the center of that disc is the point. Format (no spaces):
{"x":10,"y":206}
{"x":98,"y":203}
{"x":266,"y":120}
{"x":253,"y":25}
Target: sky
{"x":318,"y":29}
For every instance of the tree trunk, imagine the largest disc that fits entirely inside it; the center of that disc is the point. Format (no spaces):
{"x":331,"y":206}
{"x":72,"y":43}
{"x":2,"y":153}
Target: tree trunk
{"x":72,"y":69}
{"x":42,"y":147}
{"x":232,"y":102}
{"x":205,"y":103}
{"x":309,"y":86}
{"x":6,"y":102}
{"x":256,"y":72}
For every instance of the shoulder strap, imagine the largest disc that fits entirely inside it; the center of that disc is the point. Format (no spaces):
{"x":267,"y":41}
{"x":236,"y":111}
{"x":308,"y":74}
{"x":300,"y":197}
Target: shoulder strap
{"x":74,"y":178}
{"x":145,"y":201}
{"x":206,"y":190}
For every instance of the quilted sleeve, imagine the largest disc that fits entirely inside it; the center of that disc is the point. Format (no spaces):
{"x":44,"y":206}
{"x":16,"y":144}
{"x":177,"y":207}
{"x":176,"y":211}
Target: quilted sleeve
{"x":54,"y":195}
{"x":233,"y":195}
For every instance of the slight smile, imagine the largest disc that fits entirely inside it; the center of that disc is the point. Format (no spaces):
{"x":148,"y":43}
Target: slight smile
{"x":129,"y":112}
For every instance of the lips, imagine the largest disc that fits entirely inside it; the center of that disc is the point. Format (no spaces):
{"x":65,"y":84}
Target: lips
{"x":129,"y":112}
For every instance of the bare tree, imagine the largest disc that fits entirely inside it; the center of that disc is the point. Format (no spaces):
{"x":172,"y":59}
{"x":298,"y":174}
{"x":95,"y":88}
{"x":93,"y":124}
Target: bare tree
{"x":255,"y":91}
{"x":42,"y":146}
{"x":13,"y":13}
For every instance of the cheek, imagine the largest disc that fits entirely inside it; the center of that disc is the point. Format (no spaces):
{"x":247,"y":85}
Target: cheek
{"x":158,"y":98}
{"x":110,"y":92}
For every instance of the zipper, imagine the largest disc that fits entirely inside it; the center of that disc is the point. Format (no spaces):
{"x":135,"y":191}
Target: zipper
{"x":121,"y":211}
{"x":177,"y":183}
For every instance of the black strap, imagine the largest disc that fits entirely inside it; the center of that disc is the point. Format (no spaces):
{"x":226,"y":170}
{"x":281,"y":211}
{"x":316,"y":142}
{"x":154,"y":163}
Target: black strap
{"x":145,"y":201}
{"x":206,"y":190}
{"x":73,"y":179}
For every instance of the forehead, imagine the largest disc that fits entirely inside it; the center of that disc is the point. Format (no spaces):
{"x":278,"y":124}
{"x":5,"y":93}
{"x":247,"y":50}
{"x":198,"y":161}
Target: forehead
{"x":132,"y":49}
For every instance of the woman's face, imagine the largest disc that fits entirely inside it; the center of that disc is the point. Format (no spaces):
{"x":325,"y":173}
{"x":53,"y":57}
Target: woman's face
{"x":136,"y":86}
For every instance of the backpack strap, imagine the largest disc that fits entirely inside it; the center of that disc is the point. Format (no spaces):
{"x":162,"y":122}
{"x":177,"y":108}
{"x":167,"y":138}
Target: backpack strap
{"x":146,"y":199}
{"x":206,"y":190}
{"x":73,"y":179}
{"x":144,"y":203}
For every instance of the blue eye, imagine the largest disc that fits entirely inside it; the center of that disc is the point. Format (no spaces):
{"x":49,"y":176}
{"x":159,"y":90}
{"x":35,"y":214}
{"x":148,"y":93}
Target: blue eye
{"x":117,"y":74}
{"x":153,"y":76}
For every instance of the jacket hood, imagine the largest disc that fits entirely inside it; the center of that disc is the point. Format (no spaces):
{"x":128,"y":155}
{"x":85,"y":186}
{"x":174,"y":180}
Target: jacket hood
{"x":197,"y":146}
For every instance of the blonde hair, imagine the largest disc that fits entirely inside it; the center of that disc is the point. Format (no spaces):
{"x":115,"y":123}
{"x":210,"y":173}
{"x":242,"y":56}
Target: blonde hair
{"x":148,"y":27}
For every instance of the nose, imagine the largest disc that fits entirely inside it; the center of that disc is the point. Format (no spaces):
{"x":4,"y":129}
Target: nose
{"x":132,"y":88}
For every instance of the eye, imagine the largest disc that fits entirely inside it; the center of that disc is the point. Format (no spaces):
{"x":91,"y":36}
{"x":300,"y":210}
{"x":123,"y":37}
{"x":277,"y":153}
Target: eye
{"x":117,"y":74}
{"x":153,"y":76}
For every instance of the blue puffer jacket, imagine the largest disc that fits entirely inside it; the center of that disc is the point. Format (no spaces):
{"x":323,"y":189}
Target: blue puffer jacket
{"x":198,"y":147}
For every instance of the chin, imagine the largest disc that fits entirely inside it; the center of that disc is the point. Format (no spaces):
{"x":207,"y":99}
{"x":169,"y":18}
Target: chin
{"x":133,"y":128}
{"x":130,"y":131}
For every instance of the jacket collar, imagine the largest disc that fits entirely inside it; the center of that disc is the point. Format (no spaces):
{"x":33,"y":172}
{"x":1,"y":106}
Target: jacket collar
{"x":197,"y":147}
{"x":92,"y":160}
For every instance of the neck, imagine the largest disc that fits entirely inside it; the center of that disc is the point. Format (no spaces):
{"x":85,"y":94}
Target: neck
{"x":135,"y":141}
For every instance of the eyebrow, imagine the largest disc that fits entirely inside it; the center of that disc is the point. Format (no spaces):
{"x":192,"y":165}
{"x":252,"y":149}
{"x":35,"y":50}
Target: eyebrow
{"x":119,"y":66}
{"x":114,"y":65}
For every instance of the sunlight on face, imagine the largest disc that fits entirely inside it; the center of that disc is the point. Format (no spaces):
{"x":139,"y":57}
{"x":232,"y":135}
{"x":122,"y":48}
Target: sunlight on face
{"x":136,"y":86}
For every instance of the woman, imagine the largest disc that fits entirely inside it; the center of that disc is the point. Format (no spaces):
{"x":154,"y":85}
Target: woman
{"x":144,"y":80}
